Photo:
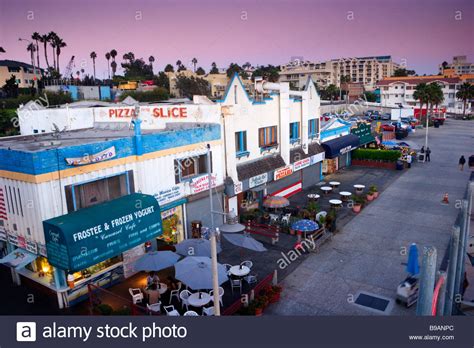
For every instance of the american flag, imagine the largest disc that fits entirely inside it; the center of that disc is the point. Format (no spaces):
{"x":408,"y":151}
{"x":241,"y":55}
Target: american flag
{"x":3,"y":210}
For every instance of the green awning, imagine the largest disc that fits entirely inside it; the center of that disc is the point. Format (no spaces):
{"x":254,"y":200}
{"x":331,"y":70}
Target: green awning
{"x":364,"y":132}
{"x":88,"y":236}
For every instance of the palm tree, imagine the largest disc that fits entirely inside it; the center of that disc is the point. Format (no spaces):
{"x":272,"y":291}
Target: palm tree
{"x":31,"y":48}
{"x":435,"y":95}
{"x":129,"y":56}
{"x":194,"y":61}
{"x":52,"y":37}
{"x":59,"y":44}
{"x":93,"y":57}
{"x":37,"y":37}
{"x":151,"y":59}
{"x":465,"y":93}
{"x":107,"y":56}
{"x":114,"y":67}
{"x":178,"y":64}
{"x":421,"y":94}
{"x":45,"y":40}
{"x":113,"y":54}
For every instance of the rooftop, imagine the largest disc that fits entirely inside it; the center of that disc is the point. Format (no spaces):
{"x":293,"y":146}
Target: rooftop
{"x":413,"y":80}
{"x":15,"y":64}
{"x":98,"y":134}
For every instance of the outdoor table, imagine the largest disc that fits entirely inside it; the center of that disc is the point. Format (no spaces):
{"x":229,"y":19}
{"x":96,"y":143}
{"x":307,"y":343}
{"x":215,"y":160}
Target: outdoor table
{"x":274,"y":217}
{"x":313,"y":197}
{"x":326,"y":189}
{"x":199,"y":299}
{"x":345,"y":195}
{"x":239,"y":271}
{"x":334,"y":184}
{"x":335,"y":203}
{"x":359,"y":188}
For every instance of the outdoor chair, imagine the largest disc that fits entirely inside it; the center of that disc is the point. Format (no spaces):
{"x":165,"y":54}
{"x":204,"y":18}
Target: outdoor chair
{"x":221,"y":293}
{"x":154,"y":308}
{"x":251,"y":279}
{"x":184,"y":296}
{"x":171,"y":311}
{"x":321,"y":213}
{"x":137,"y":295}
{"x":236,"y":283}
{"x":209,"y":311}
{"x":286,"y":218}
{"x":247,"y":263}
{"x":175,"y":293}
{"x":274,"y":218}
{"x":191,"y":314}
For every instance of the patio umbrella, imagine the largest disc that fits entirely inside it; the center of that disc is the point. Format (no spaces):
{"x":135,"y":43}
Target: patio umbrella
{"x":156,"y":260}
{"x":195,"y":247}
{"x":276,"y":202}
{"x":245,"y":241}
{"x":196,"y":272}
{"x":304,"y":225}
{"x":412,"y":266}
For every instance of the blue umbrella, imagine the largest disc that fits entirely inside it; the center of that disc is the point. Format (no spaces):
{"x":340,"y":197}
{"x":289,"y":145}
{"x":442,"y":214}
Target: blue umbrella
{"x":156,"y":260}
{"x":196,"y":272}
{"x":244,"y":241}
{"x":412,"y":266}
{"x":305,"y":225}
{"x":195,"y":247}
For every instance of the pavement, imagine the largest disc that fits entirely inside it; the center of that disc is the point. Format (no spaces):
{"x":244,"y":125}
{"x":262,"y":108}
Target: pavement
{"x":368,"y":254}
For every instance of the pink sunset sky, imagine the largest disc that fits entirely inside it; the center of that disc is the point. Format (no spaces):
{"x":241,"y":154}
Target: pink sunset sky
{"x":423,"y":33}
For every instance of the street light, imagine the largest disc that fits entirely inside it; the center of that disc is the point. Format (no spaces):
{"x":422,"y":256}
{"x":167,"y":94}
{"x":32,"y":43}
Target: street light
{"x":32,"y":60}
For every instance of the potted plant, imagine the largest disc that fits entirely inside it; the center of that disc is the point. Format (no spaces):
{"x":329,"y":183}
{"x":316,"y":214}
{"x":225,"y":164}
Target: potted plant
{"x":370,"y":196}
{"x":331,"y":220}
{"x":358,"y":202}
{"x":322,"y":220}
{"x":273,"y":292}
{"x":374,"y":191}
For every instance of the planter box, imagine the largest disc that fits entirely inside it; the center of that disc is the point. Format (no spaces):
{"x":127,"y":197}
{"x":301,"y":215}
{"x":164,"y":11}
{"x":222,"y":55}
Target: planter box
{"x":375,"y":164}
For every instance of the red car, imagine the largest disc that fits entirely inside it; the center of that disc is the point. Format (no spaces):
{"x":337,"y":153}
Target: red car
{"x":388,"y":128}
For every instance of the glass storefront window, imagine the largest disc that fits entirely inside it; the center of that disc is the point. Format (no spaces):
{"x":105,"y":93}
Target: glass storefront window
{"x":87,"y":272}
{"x":173,"y":227}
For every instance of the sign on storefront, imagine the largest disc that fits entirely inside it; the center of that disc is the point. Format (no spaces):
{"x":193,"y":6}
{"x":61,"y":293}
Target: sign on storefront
{"x":283,"y":172}
{"x":31,"y":246}
{"x":238,"y":187}
{"x":201,"y":183}
{"x":298,"y":165}
{"x":317,"y":158}
{"x":88,"y":159}
{"x":88,"y":236}
{"x":170,"y":194}
{"x":258,"y":180}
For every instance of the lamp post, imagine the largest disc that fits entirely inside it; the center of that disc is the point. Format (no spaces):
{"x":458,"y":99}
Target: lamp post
{"x":215,"y":282}
{"x":32,"y":61}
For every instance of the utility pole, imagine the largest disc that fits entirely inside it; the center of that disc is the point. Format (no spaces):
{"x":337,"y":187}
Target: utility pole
{"x":215,"y":282}
{"x":427,"y":281}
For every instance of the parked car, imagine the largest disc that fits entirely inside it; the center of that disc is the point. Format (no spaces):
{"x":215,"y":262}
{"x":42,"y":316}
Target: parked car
{"x":375,"y":115}
{"x":402,"y":125}
{"x":388,"y":128}
{"x":386,"y":117}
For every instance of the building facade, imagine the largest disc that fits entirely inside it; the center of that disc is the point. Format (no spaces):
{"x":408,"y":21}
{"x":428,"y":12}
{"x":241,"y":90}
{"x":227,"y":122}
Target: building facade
{"x":460,"y":65}
{"x":271,"y":142}
{"x":24,"y":73}
{"x":59,"y":192}
{"x":396,"y":90}
{"x":364,"y":70}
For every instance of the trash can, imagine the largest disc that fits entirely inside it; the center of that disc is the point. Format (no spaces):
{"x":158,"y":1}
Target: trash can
{"x":399,"y":165}
{"x":436,"y":123}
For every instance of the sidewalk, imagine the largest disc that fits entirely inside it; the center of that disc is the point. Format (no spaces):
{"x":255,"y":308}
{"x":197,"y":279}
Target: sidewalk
{"x":367,"y":255}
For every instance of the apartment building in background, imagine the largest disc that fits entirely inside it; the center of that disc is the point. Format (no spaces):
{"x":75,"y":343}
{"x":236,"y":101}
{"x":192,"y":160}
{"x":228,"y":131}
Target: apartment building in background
{"x":363,"y":70}
{"x":24,"y":73}
{"x":396,"y":90}
{"x":459,"y":65}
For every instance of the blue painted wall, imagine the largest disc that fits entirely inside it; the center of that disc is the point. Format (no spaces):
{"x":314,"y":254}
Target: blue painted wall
{"x":105,"y":93}
{"x":47,"y":161}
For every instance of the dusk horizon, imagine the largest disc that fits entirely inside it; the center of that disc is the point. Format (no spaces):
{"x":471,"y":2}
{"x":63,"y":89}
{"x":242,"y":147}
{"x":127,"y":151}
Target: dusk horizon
{"x":312,"y":30}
